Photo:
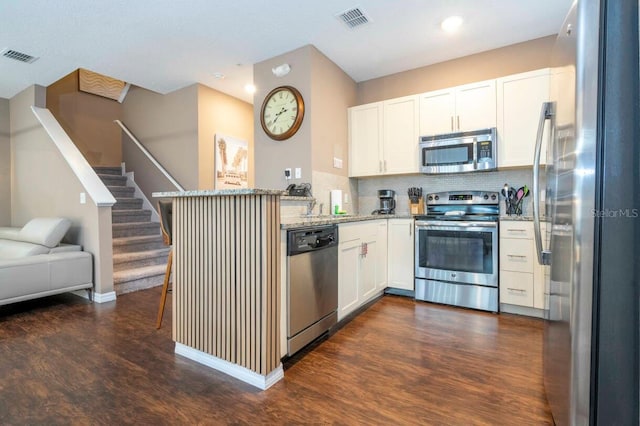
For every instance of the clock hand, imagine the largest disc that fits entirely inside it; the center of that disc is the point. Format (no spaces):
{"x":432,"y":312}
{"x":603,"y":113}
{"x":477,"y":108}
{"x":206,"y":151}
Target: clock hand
{"x":279,"y":113}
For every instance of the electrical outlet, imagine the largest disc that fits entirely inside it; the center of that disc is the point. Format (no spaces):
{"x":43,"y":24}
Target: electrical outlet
{"x":287,"y":173}
{"x":346,"y":197}
{"x":298,"y":173}
{"x":83,"y":198}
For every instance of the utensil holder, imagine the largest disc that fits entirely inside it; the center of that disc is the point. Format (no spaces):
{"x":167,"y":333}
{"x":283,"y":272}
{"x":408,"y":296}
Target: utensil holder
{"x":416,"y":208}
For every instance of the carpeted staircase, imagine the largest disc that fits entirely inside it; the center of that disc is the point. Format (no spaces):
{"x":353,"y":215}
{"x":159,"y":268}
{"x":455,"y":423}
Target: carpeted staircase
{"x":139,"y":254}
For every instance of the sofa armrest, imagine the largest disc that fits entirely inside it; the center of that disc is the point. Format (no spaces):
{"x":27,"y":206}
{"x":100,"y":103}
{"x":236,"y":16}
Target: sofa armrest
{"x":9,"y":233}
{"x":63,"y":248}
{"x":70,"y":269}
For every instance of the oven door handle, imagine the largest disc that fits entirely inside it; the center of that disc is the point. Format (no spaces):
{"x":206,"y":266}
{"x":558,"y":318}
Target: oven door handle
{"x":456,"y":226}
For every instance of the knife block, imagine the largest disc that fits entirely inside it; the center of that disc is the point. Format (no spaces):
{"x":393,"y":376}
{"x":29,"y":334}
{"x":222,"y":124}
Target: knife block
{"x":416,"y":208}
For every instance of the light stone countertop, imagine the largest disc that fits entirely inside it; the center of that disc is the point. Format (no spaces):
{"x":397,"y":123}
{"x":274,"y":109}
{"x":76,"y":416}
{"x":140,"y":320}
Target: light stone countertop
{"x":219,"y":192}
{"x":308,"y":221}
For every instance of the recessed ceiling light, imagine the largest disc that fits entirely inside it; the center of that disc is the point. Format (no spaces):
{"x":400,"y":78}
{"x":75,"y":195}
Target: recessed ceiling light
{"x":250,"y":88}
{"x":219,"y":75}
{"x":451,"y":24}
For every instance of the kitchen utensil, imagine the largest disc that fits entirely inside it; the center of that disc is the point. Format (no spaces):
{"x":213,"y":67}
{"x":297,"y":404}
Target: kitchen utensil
{"x":519,"y":197}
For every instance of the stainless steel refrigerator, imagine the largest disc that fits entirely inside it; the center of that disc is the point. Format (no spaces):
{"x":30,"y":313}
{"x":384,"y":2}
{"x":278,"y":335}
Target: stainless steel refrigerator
{"x":587,"y":199}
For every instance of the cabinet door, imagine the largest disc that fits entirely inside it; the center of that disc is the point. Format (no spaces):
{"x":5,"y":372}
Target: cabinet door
{"x":381,"y":253}
{"x":348,"y":277}
{"x":476,"y":106}
{"x":520,"y":99}
{"x":437,"y":110}
{"x":401,"y":241}
{"x":365,"y":139}
{"x":367,"y":286}
{"x":401,"y":132}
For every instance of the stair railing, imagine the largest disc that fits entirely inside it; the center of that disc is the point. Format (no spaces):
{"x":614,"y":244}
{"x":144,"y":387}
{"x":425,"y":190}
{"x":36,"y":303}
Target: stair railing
{"x":149,"y":156}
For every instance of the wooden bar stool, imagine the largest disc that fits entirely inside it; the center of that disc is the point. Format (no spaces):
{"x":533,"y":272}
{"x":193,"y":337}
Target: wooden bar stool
{"x":165,"y":208}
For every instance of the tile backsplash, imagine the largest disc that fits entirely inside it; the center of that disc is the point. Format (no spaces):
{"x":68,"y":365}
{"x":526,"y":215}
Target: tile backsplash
{"x":481,"y":181}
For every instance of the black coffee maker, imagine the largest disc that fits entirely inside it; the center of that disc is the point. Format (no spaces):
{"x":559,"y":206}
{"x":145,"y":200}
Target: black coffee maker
{"x":387,"y":202}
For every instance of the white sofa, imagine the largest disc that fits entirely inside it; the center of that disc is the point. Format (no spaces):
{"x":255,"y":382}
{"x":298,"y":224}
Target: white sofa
{"x":33,"y":262}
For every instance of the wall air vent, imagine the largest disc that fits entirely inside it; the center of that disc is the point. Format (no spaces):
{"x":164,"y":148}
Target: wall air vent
{"x":353,"y":17}
{"x":18,"y":56}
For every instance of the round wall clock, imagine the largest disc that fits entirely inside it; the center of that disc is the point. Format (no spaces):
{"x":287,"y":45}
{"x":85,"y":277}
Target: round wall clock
{"x":282,"y":112}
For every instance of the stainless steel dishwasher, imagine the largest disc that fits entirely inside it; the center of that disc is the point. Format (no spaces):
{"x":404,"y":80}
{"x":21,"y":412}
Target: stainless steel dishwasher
{"x":312,"y":286}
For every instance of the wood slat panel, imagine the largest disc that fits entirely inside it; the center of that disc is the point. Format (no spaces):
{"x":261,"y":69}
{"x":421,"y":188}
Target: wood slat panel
{"x":226,"y":278}
{"x":101,"y":85}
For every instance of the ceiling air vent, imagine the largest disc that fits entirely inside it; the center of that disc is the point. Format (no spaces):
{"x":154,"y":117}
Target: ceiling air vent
{"x":18,"y":56}
{"x":353,"y":17}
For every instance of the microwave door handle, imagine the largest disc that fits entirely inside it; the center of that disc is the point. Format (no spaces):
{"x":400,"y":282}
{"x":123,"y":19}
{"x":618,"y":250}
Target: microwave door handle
{"x":547,"y":112}
{"x":474,"y":148}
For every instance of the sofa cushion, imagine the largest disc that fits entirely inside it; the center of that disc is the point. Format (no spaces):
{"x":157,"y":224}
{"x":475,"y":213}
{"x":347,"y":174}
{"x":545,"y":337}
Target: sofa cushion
{"x":16,"y":249}
{"x":46,"y":231}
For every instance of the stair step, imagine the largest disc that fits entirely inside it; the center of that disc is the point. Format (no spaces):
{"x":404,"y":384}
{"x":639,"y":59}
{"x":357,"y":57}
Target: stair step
{"x":112,"y":180}
{"x":127,"y":216}
{"x":108,"y":170}
{"x":126,"y":203}
{"x":135,"y":229}
{"x":122,"y":191}
{"x":138,"y":259}
{"x":138,"y":278}
{"x":133,"y":244}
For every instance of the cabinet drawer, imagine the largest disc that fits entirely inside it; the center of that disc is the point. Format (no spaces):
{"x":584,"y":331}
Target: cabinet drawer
{"x":516,"y":255}
{"x":516,"y":288}
{"x":516,"y":229}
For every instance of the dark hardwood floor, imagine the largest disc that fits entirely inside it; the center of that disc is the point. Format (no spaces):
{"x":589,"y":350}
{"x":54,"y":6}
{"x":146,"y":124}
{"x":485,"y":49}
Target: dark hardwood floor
{"x":66,"y":361}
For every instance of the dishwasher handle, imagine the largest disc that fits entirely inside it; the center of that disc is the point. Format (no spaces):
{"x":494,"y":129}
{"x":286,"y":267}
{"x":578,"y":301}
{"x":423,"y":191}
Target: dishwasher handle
{"x":322,"y":242}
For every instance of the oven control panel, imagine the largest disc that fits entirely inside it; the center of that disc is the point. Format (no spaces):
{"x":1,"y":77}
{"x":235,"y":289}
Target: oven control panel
{"x":463,"y":197}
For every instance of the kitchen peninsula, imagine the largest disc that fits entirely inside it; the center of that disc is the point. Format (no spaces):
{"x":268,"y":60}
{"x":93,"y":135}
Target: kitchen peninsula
{"x":226,"y":281}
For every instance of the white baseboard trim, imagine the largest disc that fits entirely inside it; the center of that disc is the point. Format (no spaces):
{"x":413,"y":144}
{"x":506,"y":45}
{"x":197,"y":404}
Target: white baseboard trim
{"x":104,"y":297}
{"x":233,"y":370}
{"x":97,"y":297}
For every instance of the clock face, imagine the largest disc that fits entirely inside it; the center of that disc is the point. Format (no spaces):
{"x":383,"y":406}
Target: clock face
{"x":282,"y":112}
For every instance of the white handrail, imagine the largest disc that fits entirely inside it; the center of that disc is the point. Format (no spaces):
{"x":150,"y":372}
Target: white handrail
{"x":149,"y":156}
{"x":96,"y":189}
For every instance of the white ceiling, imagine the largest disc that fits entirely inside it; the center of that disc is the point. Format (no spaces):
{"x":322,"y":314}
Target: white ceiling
{"x":165,"y":45}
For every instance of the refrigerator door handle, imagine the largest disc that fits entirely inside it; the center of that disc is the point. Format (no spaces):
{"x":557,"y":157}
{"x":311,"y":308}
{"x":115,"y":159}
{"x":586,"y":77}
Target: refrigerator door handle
{"x":547,"y":112}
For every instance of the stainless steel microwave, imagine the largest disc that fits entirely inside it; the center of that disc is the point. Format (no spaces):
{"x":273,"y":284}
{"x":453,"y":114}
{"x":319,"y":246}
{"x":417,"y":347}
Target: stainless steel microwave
{"x":459,"y":152}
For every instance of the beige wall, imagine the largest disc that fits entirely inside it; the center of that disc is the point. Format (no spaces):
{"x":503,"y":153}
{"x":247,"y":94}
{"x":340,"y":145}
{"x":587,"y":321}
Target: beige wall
{"x":224,"y":114}
{"x":272,"y":157}
{"x":513,"y":59}
{"x":88,"y":120}
{"x":332,"y":92}
{"x":5,"y":164}
{"x":44,"y":185}
{"x":167,"y":125}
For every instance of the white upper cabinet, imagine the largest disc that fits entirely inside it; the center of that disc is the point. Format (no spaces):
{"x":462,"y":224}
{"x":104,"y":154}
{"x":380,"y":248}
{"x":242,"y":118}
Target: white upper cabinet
{"x":401,"y":132}
{"x":458,"y":109}
{"x":520,"y":99}
{"x":476,"y":106}
{"x":437,"y":111}
{"x":365,"y":139}
{"x":383,"y":137}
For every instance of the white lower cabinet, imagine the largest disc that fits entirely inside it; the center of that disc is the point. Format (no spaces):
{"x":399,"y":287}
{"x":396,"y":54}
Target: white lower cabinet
{"x":361,"y":274}
{"x":400,"y":254}
{"x":381,"y":255}
{"x":521,"y":278}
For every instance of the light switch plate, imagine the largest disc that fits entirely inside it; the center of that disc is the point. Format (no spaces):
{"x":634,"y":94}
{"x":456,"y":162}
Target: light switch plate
{"x":83,"y":198}
{"x":298,"y":173}
{"x":337,"y":163}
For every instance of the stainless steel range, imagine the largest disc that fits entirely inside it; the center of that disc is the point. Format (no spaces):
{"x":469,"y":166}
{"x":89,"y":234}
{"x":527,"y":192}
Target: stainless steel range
{"x":457,"y":250}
